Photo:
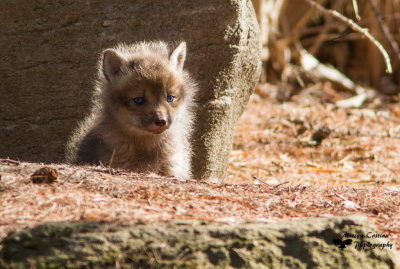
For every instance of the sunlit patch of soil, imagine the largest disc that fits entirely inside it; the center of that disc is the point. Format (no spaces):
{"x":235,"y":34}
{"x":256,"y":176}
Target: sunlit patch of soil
{"x":275,"y":172}
{"x":273,"y":146}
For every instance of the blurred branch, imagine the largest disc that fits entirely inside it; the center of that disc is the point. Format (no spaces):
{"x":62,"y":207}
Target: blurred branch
{"x":297,"y":29}
{"x":357,"y":28}
{"x":324,"y":31}
{"x":313,"y":66}
{"x":385,"y":29}
{"x":355,"y":6}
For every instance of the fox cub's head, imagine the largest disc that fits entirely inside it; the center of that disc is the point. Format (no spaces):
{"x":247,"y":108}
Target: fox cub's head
{"x":144,"y":86}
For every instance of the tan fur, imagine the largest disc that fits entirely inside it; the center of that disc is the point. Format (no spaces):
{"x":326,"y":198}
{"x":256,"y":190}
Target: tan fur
{"x":149,"y":137}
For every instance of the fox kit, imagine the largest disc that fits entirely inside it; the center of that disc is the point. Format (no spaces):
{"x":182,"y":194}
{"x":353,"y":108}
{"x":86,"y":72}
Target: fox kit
{"x":142,"y":115}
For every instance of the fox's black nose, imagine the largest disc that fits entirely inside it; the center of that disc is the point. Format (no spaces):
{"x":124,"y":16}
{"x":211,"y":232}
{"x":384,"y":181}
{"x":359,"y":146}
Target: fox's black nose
{"x":161,"y":122}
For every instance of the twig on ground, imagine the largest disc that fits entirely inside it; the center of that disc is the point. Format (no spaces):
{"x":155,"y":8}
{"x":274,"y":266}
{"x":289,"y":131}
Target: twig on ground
{"x":320,"y":70}
{"x":9,"y":161}
{"x":276,"y":186}
{"x":347,"y":203}
{"x":111,"y":160}
{"x":261,"y":182}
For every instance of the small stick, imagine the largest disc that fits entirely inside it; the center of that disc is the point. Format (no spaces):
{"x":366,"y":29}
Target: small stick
{"x":356,"y":28}
{"x":385,"y":29}
{"x":276,"y":186}
{"x":9,"y":161}
{"x":349,"y":202}
{"x":261,"y":182}
{"x":111,"y":160}
{"x":355,"y":6}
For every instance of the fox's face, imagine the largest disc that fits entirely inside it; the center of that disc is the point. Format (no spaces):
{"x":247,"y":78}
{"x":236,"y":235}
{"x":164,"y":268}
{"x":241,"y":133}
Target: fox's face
{"x":145,"y":92}
{"x":149,"y":105}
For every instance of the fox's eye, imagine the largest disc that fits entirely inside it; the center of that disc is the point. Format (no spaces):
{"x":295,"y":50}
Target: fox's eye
{"x":170,"y":98}
{"x":139,"y":100}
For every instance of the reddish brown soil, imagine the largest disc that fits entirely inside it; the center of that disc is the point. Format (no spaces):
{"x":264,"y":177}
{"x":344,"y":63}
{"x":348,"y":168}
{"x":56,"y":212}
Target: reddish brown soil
{"x":275,"y":172}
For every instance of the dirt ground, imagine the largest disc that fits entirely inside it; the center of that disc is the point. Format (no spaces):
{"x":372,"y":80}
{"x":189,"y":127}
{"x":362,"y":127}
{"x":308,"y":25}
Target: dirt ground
{"x":300,"y":158}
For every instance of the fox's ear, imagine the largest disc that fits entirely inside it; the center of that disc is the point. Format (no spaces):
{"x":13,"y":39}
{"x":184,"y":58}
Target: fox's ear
{"x":112,"y":63}
{"x":178,"y":56}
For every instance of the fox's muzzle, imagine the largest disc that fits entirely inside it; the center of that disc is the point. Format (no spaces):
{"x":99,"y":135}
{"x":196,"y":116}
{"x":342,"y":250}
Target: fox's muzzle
{"x":156,"y":124}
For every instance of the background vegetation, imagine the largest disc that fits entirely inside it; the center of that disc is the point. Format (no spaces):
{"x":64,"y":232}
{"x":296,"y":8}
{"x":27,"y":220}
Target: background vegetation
{"x":288,"y":25}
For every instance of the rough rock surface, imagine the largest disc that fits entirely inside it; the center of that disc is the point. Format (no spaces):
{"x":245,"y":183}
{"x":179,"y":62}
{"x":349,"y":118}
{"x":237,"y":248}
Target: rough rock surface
{"x":49,"y":53}
{"x":183,"y":244}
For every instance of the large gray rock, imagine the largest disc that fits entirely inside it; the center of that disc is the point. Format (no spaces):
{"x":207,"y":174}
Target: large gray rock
{"x":291,"y":244}
{"x":49,"y":52}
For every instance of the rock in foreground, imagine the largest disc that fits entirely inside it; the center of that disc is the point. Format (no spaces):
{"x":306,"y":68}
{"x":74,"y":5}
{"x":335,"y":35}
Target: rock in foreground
{"x":185,"y":244}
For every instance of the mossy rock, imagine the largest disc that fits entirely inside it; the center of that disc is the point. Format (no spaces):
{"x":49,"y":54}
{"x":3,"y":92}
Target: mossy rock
{"x":193,"y":244}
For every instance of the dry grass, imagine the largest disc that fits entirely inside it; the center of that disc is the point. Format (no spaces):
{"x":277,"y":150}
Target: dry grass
{"x":345,"y":175}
